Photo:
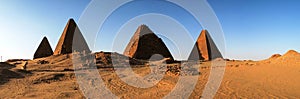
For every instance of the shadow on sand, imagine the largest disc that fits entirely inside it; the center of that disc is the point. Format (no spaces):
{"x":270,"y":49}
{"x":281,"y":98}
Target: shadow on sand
{"x":6,"y":74}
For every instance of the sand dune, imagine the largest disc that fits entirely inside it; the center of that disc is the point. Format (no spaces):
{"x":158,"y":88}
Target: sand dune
{"x":291,"y":57}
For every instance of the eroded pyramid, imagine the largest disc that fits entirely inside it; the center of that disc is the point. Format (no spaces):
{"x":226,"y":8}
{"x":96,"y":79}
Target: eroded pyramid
{"x":44,"y":49}
{"x":71,"y":40}
{"x":144,"y":44}
{"x":205,"y":48}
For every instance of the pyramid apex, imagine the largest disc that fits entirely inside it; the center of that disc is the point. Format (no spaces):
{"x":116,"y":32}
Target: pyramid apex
{"x":204,"y":31}
{"x":144,"y":26}
{"x":71,"y":20}
{"x":143,"y":29}
{"x":45,"y":37}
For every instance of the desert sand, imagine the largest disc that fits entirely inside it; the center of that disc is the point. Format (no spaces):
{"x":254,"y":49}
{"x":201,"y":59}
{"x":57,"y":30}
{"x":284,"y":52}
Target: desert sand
{"x":53,"y":77}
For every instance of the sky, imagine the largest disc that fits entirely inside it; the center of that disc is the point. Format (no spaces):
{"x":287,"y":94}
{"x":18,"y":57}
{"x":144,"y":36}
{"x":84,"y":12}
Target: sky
{"x":256,"y":29}
{"x":253,"y":29}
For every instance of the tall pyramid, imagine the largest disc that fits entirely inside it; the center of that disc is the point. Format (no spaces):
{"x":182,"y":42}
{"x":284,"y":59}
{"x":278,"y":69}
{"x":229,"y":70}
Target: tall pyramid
{"x":205,"y":48}
{"x":144,"y":44}
{"x":44,"y":49}
{"x":70,"y":36}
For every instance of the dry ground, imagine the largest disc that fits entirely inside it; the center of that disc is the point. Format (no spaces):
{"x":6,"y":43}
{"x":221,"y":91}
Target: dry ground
{"x":242,"y":79}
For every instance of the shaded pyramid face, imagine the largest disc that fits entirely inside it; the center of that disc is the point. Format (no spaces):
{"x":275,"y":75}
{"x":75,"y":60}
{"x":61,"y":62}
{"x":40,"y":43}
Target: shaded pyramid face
{"x":144,"y":44}
{"x":71,"y":40}
{"x":44,"y":49}
{"x":205,"y":48}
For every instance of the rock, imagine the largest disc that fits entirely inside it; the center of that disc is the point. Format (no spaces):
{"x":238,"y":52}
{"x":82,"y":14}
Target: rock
{"x":43,"y":62}
{"x":108,"y":59}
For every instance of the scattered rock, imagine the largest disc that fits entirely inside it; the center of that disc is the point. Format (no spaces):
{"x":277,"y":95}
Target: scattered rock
{"x":54,"y":78}
{"x":43,"y":62}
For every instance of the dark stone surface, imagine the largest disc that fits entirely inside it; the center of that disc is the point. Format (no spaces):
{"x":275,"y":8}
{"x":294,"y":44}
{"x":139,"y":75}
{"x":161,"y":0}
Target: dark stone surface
{"x":71,"y":40}
{"x":44,"y":49}
{"x":145,"y":44}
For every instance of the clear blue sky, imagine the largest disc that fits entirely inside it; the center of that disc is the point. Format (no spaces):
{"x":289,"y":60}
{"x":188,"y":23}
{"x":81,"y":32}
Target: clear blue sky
{"x":254,"y":29}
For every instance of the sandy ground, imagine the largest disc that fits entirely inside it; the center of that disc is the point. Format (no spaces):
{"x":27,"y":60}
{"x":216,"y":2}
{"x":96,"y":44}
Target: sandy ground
{"x":262,"y":80}
{"x":242,"y":79}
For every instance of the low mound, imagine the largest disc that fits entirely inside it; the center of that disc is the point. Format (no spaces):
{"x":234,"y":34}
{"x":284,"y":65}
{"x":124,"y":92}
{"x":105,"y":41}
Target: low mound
{"x":105,"y":59}
{"x":4,"y":65}
{"x":55,"y":77}
{"x":15,"y":60}
{"x":51,"y":63}
{"x":275,"y":56}
{"x":291,"y":53}
{"x":63,"y":62}
{"x":291,"y":56}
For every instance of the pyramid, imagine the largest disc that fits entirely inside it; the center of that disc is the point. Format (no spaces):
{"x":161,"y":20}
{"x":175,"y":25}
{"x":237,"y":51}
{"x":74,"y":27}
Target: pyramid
{"x":44,"y":49}
{"x":144,"y":44}
{"x":70,"y":36}
{"x":205,"y":48}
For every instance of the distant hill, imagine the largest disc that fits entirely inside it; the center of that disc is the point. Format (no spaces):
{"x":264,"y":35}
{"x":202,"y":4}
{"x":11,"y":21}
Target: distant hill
{"x":291,"y":56}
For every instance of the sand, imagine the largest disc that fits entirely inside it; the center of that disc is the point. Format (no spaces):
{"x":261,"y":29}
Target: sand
{"x":242,"y":79}
{"x":261,"y":80}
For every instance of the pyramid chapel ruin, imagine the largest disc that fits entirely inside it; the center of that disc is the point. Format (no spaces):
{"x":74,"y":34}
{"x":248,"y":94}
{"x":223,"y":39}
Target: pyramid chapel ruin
{"x":205,"y":48}
{"x":144,"y":44}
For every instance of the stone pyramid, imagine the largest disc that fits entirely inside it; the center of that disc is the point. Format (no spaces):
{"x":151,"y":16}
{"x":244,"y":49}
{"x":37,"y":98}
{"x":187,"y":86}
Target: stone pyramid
{"x":205,"y":48}
{"x":44,"y":49}
{"x":144,"y":44}
{"x":71,"y":40}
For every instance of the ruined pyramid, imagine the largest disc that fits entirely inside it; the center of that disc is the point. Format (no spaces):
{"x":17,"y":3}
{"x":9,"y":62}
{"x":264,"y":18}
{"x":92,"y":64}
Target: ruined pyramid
{"x":144,"y":44}
{"x":44,"y":49}
{"x":71,"y":40}
{"x":205,"y":48}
